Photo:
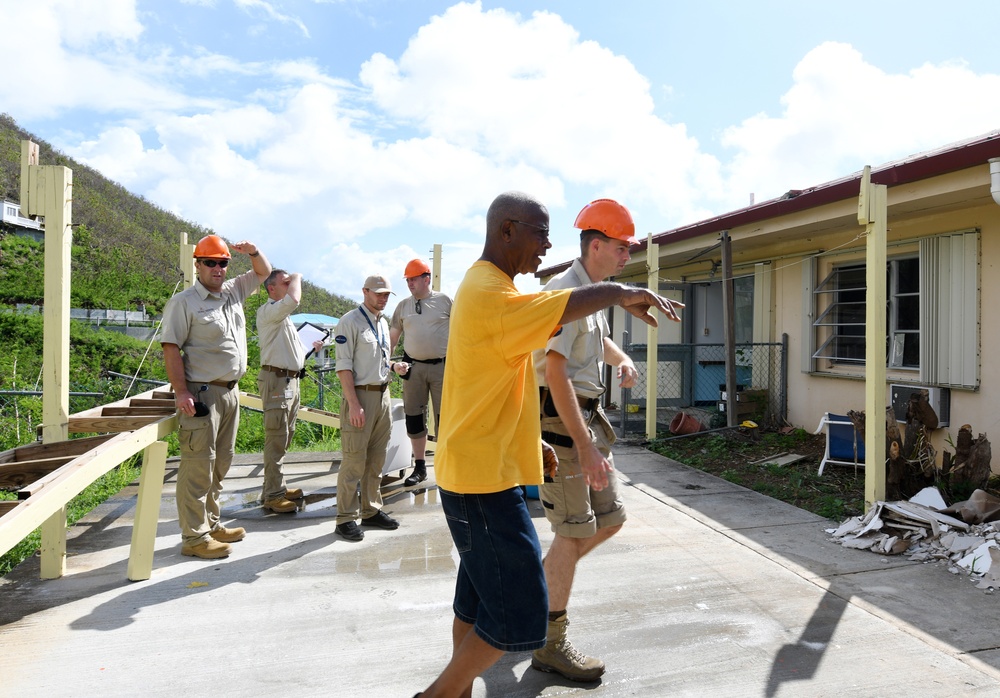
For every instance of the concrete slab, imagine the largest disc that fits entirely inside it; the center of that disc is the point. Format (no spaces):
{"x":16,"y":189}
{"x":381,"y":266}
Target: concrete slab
{"x":693,"y":597}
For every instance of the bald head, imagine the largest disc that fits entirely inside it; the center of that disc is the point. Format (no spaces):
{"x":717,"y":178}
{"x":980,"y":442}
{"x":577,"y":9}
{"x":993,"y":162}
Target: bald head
{"x":517,"y":233}
{"x":511,"y":206}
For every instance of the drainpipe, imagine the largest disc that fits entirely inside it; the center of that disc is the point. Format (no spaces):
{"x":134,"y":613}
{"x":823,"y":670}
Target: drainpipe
{"x":995,"y":178}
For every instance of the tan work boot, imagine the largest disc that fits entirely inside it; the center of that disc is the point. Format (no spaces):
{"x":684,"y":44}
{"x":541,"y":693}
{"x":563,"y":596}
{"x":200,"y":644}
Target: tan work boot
{"x":228,"y":535}
{"x":209,"y":549}
{"x":293,"y":493}
{"x":561,"y":657}
{"x":279,"y":505}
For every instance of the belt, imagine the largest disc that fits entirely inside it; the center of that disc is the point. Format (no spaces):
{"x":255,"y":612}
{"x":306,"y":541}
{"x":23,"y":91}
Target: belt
{"x":586,"y":403}
{"x":283,"y":372}
{"x":380,"y":387}
{"x":228,"y":385}
{"x":408,"y":359}
{"x":554,"y":439}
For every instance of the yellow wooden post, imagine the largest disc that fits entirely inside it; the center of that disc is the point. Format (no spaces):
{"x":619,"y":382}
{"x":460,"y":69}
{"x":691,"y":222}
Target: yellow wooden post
{"x":187,"y":260}
{"x":436,"y":268}
{"x":652,"y":338}
{"x":431,"y":446}
{"x":872,"y":213}
{"x":147,"y":512}
{"x":47,"y":191}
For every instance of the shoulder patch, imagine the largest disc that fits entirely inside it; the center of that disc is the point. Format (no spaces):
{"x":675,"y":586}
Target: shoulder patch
{"x":341,"y":339}
{"x":558,"y":332}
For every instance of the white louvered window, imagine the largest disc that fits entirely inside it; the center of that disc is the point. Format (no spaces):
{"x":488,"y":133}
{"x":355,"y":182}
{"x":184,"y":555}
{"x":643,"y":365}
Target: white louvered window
{"x":932,"y":314}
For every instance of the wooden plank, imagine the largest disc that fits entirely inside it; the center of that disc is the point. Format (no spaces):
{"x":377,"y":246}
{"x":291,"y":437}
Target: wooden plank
{"x":68,"y":481}
{"x":136,"y":411}
{"x":34,"y":451}
{"x":149,"y":402}
{"x":90,"y":425}
{"x":162,"y":395}
{"x":14,"y":476}
{"x":306,"y":414}
{"x":147,"y":512}
{"x":6,"y":506}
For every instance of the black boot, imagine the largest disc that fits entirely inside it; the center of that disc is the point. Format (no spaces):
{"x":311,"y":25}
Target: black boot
{"x":418,"y":475}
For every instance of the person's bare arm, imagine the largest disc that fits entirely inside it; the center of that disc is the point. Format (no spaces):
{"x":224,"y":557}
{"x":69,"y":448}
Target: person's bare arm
{"x":355,"y":413}
{"x":639,"y":302}
{"x":178,"y":381}
{"x":294,"y":286}
{"x":614,"y":356}
{"x":261,"y":267}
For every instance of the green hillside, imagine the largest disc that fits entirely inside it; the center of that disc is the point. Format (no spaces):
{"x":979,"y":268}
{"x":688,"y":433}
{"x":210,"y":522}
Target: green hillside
{"x":124,"y":247}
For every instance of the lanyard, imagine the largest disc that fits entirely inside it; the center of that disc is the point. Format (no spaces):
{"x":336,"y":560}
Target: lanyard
{"x":377,"y":332}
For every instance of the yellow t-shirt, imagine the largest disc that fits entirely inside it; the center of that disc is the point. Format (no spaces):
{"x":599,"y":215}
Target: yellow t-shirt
{"x":490,"y":437}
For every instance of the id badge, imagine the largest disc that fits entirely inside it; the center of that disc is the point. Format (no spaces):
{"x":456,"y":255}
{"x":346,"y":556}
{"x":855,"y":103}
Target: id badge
{"x":289,"y":393}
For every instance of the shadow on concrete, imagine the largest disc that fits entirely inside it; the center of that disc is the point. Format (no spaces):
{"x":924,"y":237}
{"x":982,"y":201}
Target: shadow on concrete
{"x":931,"y":603}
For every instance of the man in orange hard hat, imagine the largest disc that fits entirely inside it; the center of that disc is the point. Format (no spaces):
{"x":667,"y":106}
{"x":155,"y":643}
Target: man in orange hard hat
{"x":422,"y":320}
{"x":582,"y":500}
{"x":205,"y":352}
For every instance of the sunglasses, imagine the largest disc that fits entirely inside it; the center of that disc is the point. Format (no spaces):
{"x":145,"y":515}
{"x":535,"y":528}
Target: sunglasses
{"x":417,"y":307}
{"x":211,"y":263}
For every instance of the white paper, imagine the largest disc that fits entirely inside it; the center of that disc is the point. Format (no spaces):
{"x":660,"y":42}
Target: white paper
{"x":309,"y":333}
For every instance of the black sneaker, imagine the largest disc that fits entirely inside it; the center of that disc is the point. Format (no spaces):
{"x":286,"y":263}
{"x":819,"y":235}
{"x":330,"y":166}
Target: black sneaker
{"x":350,"y":531}
{"x":418,"y":475}
{"x":380,"y":520}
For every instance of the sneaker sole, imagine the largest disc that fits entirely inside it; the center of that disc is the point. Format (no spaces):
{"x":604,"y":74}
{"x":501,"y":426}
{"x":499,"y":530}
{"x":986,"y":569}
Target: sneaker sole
{"x":204,"y":557}
{"x":535,"y":664}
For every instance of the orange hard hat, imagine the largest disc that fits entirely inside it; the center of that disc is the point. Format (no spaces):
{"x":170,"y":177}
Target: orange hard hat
{"x":609,"y":217}
{"x":212,"y":247}
{"x":416,"y":267}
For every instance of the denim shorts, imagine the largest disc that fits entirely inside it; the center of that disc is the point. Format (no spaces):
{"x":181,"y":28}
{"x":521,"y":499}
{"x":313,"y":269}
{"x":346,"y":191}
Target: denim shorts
{"x":500,"y":589}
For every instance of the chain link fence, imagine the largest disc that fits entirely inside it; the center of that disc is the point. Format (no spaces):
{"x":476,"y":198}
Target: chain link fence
{"x":692,"y":377}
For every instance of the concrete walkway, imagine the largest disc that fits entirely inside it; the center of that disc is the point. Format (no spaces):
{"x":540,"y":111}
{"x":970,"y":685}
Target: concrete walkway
{"x":709,"y":589}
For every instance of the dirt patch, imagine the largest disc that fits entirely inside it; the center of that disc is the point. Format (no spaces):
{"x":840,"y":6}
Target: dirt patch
{"x":747,"y":457}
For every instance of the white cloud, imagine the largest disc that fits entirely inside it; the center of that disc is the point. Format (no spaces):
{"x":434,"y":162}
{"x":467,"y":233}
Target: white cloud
{"x":256,"y":7}
{"x":529,"y":91}
{"x":337,"y":178}
{"x":842,"y":113}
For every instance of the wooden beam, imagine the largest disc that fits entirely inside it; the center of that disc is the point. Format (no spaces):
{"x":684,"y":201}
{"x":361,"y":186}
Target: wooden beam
{"x":306,"y":414}
{"x":14,"y":476}
{"x":91,"y":425}
{"x":6,"y":506}
{"x":63,"y":484}
{"x":35,"y":451}
{"x":149,"y":402}
{"x":147,"y":512}
{"x":136,"y":411}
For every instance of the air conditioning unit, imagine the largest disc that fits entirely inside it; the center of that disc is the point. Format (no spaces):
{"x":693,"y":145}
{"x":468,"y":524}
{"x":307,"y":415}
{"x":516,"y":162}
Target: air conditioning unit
{"x":938,"y":398}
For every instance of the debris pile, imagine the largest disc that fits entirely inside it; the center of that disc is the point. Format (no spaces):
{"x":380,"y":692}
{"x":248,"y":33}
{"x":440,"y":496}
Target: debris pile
{"x":928,"y":531}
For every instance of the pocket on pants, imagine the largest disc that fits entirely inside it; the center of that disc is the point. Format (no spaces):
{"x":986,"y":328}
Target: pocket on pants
{"x":194,"y":434}
{"x":458,"y":520}
{"x":274,"y":420}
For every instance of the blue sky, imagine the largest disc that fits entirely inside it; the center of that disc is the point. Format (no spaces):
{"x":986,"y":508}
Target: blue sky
{"x":347,"y":137}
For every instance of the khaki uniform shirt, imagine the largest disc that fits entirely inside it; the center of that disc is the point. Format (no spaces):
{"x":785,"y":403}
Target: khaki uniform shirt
{"x":425,"y":335}
{"x":279,"y":342}
{"x":210,"y":329}
{"x":581,"y":341}
{"x":362,"y":346}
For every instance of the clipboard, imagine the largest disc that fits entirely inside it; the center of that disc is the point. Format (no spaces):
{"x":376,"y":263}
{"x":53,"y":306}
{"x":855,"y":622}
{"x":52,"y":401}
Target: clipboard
{"x":309,"y":333}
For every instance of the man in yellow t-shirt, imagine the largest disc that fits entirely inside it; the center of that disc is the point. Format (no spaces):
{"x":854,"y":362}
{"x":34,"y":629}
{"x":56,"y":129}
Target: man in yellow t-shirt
{"x":490,"y":441}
